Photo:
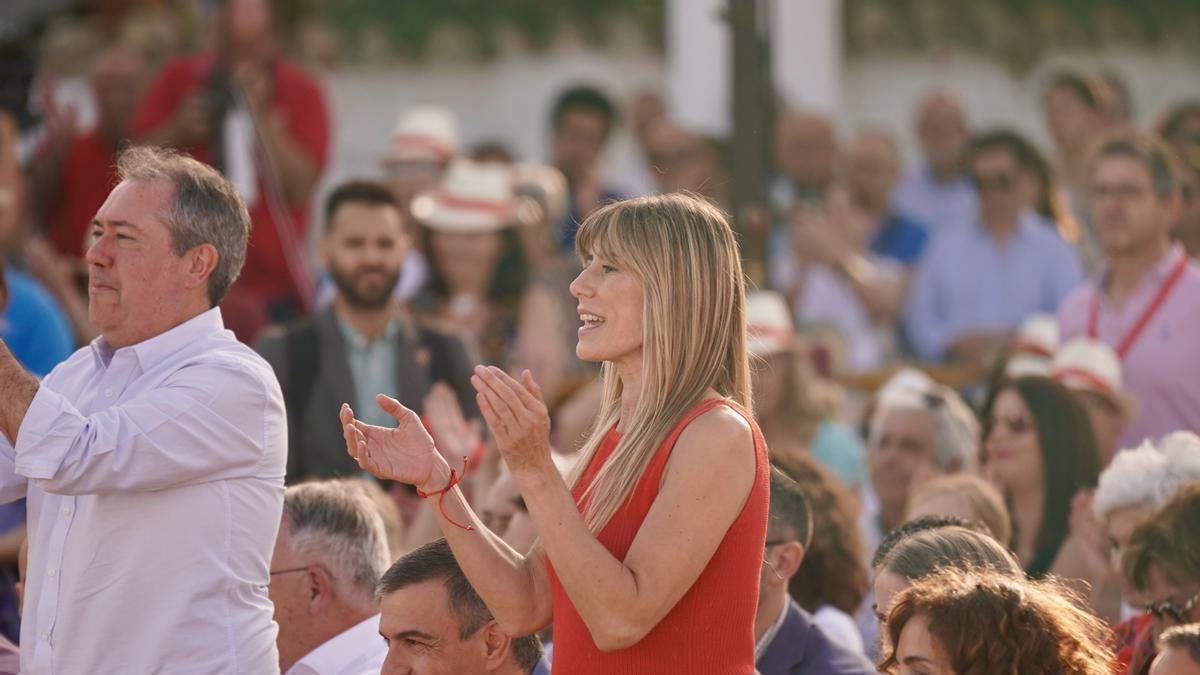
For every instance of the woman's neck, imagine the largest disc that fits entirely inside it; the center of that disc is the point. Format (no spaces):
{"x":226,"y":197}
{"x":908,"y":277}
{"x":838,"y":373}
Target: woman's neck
{"x":1028,"y":509}
{"x":629,"y":370}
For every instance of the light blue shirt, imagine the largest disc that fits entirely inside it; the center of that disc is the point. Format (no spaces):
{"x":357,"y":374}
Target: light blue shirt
{"x":373,"y":370}
{"x":154,"y":480}
{"x":969,"y":283}
{"x":936,"y":205}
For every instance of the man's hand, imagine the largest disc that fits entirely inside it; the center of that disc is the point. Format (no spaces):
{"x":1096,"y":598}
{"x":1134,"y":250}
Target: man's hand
{"x":17,"y":389}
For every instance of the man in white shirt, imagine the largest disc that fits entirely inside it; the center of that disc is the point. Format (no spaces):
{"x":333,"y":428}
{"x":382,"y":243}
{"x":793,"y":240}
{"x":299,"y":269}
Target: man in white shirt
{"x":152,"y":459}
{"x":331,"y":551}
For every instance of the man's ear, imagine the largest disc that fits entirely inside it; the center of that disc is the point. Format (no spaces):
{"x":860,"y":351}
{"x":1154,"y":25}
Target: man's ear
{"x":497,"y":645}
{"x":201,"y":263}
{"x":320,"y":589}
{"x":790,"y":556}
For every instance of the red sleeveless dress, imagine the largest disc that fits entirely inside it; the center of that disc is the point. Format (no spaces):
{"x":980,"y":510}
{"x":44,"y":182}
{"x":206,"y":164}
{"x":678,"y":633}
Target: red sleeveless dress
{"x":711,"y":629}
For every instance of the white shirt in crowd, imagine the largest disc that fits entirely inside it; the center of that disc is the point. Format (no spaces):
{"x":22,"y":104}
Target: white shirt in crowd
{"x":356,"y":651}
{"x":154,"y":477}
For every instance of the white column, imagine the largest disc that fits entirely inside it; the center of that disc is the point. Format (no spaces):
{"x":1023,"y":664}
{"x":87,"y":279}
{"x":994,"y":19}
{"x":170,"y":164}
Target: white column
{"x":806,"y":52}
{"x":698,"y":64}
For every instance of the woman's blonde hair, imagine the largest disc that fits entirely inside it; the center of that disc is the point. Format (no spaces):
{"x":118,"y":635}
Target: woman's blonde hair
{"x":685,"y":255}
{"x":984,"y":499}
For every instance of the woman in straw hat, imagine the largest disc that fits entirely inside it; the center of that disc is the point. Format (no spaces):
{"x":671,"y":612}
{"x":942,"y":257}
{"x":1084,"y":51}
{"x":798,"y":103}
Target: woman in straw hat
{"x":649,"y":552}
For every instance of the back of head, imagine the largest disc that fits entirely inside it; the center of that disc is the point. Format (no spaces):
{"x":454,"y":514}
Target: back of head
{"x":833,"y":572}
{"x":1169,"y":542}
{"x":789,"y":508}
{"x":685,"y":255}
{"x":206,"y":209}
{"x":924,"y":553}
{"x":1149,"y":475}
{"x":338,"y":525}
{"x":435,"y":562}
{"x":982,"y":499}
{"x":987,"y":622}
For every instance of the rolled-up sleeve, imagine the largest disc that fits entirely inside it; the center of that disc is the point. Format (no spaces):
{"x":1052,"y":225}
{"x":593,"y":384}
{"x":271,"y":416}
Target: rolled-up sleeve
{"x":205,"y":422}
{"x":12,"y":484}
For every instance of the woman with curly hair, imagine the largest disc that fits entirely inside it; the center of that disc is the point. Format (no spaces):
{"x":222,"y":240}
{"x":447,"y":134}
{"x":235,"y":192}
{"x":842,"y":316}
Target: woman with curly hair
{"x":960,"y":622}
{"x":832,"y":582}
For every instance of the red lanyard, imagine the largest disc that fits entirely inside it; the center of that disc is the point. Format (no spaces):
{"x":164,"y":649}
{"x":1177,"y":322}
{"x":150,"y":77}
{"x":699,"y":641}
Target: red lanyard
{"x":1134,"y":333}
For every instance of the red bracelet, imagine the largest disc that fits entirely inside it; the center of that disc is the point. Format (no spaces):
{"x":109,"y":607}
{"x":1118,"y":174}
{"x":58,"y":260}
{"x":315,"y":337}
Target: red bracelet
{"x":455,"y":479}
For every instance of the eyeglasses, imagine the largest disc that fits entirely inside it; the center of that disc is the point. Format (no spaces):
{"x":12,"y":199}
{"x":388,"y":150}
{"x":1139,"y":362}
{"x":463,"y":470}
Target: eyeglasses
{"x":1015,"y":425}
{"x":294,"y":569}
{"x":1167,"y":609}
{"x":999,"y":182}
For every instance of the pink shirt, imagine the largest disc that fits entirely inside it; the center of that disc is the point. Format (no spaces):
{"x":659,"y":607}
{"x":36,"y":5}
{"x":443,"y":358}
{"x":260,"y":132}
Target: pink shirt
{"x":1162,"y":367}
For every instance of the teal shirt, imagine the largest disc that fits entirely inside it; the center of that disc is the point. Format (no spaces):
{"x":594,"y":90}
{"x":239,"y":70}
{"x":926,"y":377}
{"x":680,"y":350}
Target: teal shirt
{"x":373,"y":370}
{"x":839,"y":449}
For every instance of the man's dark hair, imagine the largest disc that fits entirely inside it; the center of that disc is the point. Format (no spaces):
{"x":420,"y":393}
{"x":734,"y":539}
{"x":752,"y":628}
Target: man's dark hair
{"x":789,"y":507}
{"x":586,"y":98}
{"x":1183,"y":638}
{"x":357,"y":192}
{"x":1146,"y":149}
{"x":1008,"y":140}
{"x":911,"y":527}
{"x":1082,"y":86}
{"x":435,"y":561}
{"x":1170,"y":541}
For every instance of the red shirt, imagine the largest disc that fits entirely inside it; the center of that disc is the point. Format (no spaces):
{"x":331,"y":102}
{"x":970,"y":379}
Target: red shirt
{"x":711,"y":628}
{"x":88,"y":174}
{"x":300,"y":102}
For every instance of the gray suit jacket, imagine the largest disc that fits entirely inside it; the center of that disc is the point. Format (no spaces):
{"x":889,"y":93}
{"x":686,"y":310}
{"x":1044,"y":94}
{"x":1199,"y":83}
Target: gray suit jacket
{"x":315,"y":445}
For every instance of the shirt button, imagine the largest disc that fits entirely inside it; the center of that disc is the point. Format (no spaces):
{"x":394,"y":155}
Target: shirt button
{"x":45,"y":637}
{"x":108,"y":392}
{"x":66,"y":511}
{"x":51,"y":572}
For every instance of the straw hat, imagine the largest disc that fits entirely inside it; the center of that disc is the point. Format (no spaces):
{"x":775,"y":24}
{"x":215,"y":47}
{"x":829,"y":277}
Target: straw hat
{"x":768,"y":324}
{"x":1089,"y":365}
{"x":423,"y":134}
{"x":1033,"y":347}
{"x":471,"y":197}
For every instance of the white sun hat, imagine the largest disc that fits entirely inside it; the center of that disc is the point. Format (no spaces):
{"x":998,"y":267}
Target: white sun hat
{"x":471,"y":197}
{"x":423,"y":134}
{"x":769,"y":327}
{"x":1033,"y":347}
{"x":1089,"y":365}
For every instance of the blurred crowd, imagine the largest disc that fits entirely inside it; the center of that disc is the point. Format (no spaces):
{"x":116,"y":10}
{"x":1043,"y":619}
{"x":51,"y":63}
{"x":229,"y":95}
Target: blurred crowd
{"x":979,"y":372}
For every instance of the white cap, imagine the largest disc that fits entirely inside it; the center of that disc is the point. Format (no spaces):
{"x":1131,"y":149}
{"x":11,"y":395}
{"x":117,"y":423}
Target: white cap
{"x":423,"y":134}
{"x":471,"y":197}
{"x":1084,"y":364}
{"x":1033,"y":346}
{"x":768,"y":324}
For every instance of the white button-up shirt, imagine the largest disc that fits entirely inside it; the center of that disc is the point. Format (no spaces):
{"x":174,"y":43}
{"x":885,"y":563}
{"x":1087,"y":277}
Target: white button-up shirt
{"x":154,"y":477}
{"x":359,"y":650}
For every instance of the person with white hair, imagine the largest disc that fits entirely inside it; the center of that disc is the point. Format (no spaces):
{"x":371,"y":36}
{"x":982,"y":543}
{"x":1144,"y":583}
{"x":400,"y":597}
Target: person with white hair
{"x":331,"y":551}
{"x":916,"y":432}
{"x":1130,"y":492}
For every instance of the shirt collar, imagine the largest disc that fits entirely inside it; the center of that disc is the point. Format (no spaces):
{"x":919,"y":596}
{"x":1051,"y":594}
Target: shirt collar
{"x":154,"y":349}
{"x":1027,"y":222}
{"x":1157,"y":274}
{"x":356,"y":641}
{"x":359,"y":341}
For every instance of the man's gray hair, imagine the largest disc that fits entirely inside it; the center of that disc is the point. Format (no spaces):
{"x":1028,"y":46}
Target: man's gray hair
{"x":956,"y":429}
{"x":205,"y":209}
{"x":1148,"y":475}
{"x":337,"y":525}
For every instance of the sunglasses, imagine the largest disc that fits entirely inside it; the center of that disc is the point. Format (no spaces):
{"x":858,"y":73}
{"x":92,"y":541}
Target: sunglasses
{"x":1167,"y":609}
{"x":1015,"y":425}
{"x":999,"y":182}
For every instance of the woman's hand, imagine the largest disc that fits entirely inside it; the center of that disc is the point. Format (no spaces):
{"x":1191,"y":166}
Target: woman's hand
{"x":517,"y":416}
{"x":405,"y":454}
{"x":1090,"y":533}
